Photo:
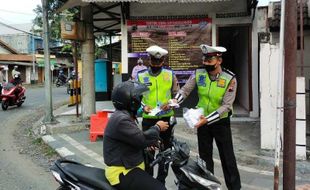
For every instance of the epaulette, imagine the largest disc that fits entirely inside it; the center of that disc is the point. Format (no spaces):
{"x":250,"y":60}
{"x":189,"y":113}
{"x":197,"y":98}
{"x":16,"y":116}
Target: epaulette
{"x":167,"y":68}
{"x":141,"y":71}
{"x":229,"y":72}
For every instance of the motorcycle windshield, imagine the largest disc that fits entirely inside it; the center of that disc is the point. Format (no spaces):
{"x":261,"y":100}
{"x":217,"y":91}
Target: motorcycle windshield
{"x":8,"y":86}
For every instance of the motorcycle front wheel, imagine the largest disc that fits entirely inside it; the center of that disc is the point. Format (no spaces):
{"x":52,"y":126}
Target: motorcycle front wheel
{"x":5,"y":104}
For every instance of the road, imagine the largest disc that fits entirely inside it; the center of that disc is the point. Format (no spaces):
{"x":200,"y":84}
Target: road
{"x":18,"y":171}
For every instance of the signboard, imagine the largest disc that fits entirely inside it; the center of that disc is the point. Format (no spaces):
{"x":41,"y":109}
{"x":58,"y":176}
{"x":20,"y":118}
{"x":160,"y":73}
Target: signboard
{"x":181,"y":37}
{"x":72,"y":30}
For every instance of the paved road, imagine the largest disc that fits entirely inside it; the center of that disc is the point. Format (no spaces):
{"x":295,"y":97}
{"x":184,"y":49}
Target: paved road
{"x":18,"y":171}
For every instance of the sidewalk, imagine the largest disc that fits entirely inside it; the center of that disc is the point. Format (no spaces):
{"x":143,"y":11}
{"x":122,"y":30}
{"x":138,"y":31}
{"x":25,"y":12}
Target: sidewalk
{"x":70,"y":138}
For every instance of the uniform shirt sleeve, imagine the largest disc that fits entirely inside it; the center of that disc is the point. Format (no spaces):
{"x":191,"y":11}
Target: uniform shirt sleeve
{"x":186,"y":89}
{"x":175,"y":85}
{"x":229,"y":98}
{"x":134,"y":73}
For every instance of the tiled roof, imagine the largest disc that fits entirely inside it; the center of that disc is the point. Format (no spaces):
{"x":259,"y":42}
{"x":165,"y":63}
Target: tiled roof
{"x":155,"y":1}
{"x":275,"y":15}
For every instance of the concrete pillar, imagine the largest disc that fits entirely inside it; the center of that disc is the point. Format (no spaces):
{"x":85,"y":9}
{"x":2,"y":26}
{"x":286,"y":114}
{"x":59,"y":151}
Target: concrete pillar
{"x":88,"y":104}
{"x":124,"y":46}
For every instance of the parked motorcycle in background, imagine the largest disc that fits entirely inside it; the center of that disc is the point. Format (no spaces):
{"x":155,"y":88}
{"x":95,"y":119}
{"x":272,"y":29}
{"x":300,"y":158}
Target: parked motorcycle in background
{"x":191,"y":174}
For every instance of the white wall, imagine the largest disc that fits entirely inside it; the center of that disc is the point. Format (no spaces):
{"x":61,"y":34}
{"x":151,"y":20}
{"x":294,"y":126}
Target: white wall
{"x":4,"y":51}
{"x":255,"y":70}
{"x":275,"y":40}
{"x":269,"y":70}
{"x":19,"y":42}
{"x":300,"y":119}
{"x":28,"y":75}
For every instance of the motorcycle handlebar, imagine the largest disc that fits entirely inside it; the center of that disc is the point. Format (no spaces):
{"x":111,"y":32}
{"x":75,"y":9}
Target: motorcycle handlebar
{"x":156,"y":161}
{"x":165,"y":155}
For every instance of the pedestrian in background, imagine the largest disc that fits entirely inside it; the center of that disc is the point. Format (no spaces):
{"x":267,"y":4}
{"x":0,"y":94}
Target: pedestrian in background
{"x":163,"y":84}
{"x":216,"y":91}
{"x":137,"y":68}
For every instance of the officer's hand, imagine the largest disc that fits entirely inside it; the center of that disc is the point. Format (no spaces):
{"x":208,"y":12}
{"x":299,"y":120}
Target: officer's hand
{"x":175,"y":101}
{"x":165,"y":107}
{"x":162,"y":125}
{"x":202,"y":121}
{"x":147,"y":109}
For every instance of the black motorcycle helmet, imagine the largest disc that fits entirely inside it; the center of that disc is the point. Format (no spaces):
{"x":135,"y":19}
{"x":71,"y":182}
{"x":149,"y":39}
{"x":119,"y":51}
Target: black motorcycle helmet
{"x":128,"y":95}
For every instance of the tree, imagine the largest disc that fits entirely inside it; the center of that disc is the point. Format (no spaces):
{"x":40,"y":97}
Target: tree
{"x":54,"y":18}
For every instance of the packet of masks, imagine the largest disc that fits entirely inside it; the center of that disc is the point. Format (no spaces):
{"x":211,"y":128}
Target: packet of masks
{"x":155,"y":111}
{"x":191,"y":116}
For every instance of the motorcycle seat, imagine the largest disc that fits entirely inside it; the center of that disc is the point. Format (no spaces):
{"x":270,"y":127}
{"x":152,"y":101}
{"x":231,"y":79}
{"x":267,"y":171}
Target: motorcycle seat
{"x":89,"y":175}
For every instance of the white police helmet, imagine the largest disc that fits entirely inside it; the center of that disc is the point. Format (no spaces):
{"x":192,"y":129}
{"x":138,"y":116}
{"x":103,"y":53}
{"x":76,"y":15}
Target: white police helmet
{"x":156,"y":51}
{"x":212,"y":50}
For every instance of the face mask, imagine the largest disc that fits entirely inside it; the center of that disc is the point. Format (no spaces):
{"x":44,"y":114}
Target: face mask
{"x":155,"y":70}
{"x":210,"y":67}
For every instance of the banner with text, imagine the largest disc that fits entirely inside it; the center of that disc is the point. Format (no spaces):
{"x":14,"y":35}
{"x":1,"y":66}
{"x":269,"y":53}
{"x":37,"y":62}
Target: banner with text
{"x":181,"y":37}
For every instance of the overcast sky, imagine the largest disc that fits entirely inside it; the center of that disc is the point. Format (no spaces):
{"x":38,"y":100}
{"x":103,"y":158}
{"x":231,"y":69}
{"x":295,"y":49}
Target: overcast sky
{"x":21,"y":11}
{"x":17,"y":11}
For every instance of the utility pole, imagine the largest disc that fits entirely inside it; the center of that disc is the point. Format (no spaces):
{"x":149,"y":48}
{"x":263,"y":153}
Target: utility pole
{"x":301,"y":29}
{"x":279,"y":114}
{"x":49,"y":118}
{"x":33,"y":77}
{"x":290,"y":55}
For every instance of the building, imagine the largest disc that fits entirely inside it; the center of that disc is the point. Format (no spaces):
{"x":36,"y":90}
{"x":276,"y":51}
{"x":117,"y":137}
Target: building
{"x":225,"y":23}
{"x":24,"y":44}
{"x":268,"y":18}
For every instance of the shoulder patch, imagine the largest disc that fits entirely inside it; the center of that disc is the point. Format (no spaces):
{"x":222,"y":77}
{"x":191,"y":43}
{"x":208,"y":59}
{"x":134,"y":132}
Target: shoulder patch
{"x":143,"y":70}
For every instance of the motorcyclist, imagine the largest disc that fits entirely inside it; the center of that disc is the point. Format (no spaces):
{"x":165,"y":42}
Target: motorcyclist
{"x":15,"y":72}
{"x":124,"y":142}
{"x":62,"y":77}
{"x":16,"y":79}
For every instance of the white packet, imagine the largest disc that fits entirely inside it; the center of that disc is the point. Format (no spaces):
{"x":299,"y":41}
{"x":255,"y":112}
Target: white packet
{"x":191,"y":116}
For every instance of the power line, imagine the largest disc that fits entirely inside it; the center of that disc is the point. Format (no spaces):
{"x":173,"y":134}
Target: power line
{"x":12,"y":27}
{"x":15,"y":12}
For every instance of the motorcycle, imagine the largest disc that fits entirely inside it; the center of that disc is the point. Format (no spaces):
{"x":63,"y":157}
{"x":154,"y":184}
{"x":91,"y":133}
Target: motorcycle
{"x":12,"y":95}
{"x":61,"y":81}
{"x":191,"y":174}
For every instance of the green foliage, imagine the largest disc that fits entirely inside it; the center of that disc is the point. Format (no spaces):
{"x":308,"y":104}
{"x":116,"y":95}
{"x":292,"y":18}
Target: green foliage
{"x":54,"y":18}
{"x":67,"y":48}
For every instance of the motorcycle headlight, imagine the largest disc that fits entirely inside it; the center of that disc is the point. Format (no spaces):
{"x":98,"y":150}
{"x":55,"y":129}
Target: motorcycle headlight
{"x":207,"y":183}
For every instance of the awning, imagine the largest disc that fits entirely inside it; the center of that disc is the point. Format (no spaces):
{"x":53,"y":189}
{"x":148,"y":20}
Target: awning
{"x":154,"y":1}
{"x":15,"y":63}
{"x":108,"y":13}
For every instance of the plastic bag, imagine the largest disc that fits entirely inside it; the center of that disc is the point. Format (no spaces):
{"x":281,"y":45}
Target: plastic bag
{"x":191,"y":116}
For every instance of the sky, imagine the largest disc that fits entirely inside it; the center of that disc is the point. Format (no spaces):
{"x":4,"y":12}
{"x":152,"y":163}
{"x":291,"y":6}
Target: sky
{"x":21,"y":11}
{"x":18,"y":11}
